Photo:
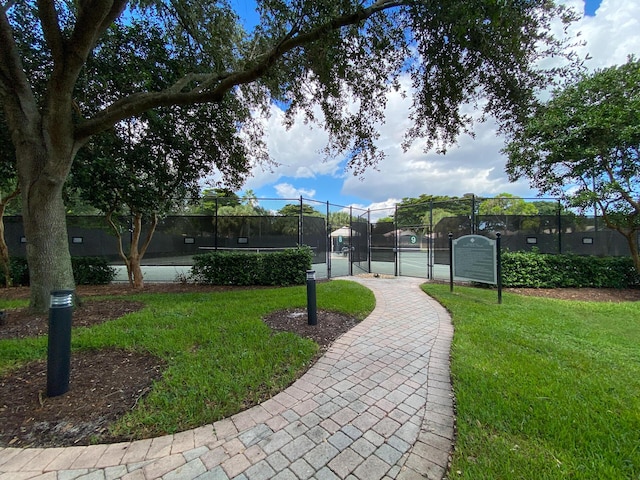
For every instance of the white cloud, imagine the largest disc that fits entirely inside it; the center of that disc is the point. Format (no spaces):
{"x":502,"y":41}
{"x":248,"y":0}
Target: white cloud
{"x":286,"y":190}
{"x":474,"y":165}
{"x":296,"y":151}
{"x":379,"y":210}
{"x":611,"y":35}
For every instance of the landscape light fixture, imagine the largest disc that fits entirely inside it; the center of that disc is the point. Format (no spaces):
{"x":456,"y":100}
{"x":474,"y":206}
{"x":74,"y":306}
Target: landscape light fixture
{"x":311,"y":298}
{"x":59,"y":342}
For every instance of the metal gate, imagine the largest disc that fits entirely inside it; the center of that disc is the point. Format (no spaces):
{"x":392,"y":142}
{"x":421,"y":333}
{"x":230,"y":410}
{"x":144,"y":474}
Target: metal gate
{"x":360,"y":261}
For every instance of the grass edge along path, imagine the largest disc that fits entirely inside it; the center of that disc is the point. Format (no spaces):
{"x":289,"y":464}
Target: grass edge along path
{"x":545,"y":389}
{"x":221,"y":357}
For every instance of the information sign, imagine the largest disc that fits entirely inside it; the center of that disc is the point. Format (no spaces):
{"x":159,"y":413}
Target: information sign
{"x":474,"y":259}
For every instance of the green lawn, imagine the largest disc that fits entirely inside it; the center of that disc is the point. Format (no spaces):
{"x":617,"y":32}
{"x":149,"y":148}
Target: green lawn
{"x":221,"y":357}
{"x":545,"y":389}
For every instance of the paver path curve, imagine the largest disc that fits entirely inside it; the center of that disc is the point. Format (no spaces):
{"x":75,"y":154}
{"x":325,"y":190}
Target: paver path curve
{"x":377,"y":405}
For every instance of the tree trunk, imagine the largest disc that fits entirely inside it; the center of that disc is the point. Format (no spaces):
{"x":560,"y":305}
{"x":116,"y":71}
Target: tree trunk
{"x":136,"y":252}
{"x":136,"y":278}
{"x":630,"y":234}
{"x":45,"y":227}
{"x":4,"y":252}
{"x":42,"y":174}
{"x":633,"y":248}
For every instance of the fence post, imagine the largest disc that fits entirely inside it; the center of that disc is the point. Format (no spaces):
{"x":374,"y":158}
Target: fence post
{"x":499,"y":266}
{"x":559,"y":227}
{"x":301,"y":224}
{"x":350,"y":257}
{"x":215,"y":237}
{"x":369,"y":236}
{"x":450,"y":262}
{"x":329,"y":240}
{"x":431,"y":254}
{"x":473,"y":214}
{"x":395,"y":241}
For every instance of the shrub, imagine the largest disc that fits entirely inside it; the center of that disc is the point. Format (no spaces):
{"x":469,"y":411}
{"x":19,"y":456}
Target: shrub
{"x":19,"y":271}
{"x":92,"y":271}
{"x":86,"y":271}
{"x":287,"y":267}
{"x":533,"y":269}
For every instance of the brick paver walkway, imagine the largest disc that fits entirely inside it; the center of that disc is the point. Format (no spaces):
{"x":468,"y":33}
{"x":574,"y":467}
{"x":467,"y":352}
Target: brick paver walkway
{"x":377,"y":405}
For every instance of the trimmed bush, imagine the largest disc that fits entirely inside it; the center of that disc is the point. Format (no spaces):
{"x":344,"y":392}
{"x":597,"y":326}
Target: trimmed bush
{"x":536,"y":270}
{"x":92,"y":271}
{"x":86,"y":271}
{"x":288,"y":267}
{"x":19,"y":271}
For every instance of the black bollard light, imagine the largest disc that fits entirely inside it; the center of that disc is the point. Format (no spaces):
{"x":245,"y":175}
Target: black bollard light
{"x":311,"y":298}
{"x":59,"y":344}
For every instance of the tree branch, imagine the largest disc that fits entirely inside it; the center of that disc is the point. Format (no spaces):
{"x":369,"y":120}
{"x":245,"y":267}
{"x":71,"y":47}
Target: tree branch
{"x":4,"y":201}
{"x":150,"y":232}
{"x":175,"y":95}
{"x":69,"y":55}
{"x":626,"y":195}
{"x":116,"y":230}
{"x":15,"y":89}
{"x":51,"y":28}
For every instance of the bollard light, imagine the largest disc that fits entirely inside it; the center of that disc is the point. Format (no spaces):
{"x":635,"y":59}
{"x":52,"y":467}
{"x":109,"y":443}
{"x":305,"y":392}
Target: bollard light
{"x":59,"y":342}
{"x":311,"y":298}
{"x":61,"y":299}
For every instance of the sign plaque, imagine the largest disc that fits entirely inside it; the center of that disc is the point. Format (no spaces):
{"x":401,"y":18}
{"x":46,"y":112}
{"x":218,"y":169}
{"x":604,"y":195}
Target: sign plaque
{"x":475,"y":259}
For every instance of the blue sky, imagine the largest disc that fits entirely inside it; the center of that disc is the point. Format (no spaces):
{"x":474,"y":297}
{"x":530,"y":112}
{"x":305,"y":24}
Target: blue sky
{"x":591,"y":6}
{"x":611,"y":29}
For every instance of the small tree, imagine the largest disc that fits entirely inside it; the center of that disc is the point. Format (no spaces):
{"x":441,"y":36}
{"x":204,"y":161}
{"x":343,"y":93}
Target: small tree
{"x":339,"y":219}
{"x":496,"y":212}
{"x":583,"y":145}
{"x":146,"y":166}
{"x":141,"y":171}
{"x":293,"y":210}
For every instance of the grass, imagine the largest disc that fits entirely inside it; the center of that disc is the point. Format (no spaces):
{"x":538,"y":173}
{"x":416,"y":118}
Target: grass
{"x":220,"y":356}
{"x":545,"y":389}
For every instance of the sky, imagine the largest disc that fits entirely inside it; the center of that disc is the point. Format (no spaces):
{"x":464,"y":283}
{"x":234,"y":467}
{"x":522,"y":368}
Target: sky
{"x":611,"y":30}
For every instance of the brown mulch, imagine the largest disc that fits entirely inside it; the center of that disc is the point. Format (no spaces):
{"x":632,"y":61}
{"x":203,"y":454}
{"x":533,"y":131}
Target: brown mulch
{"x":104,"y":384}
{"x":582,"y":294}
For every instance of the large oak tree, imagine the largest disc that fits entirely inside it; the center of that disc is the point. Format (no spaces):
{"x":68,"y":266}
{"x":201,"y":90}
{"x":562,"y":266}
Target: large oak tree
{"x":340,"y":55}
{"x":584,"y":145}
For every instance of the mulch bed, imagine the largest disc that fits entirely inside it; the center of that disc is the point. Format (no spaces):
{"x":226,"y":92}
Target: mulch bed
{"x":104,"y":384}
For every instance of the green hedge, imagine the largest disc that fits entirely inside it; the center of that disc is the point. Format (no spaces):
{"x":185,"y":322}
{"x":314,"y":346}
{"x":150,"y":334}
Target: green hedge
{"x":288,"y":267}
{"x":532,"y":269}
{"x":92,"y":271}
{"x":86,"y":271}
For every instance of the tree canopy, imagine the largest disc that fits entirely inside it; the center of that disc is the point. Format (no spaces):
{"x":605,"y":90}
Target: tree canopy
{"x":333,"y":61}
{"x":506,"y":204}
{"x":583,"y":145}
